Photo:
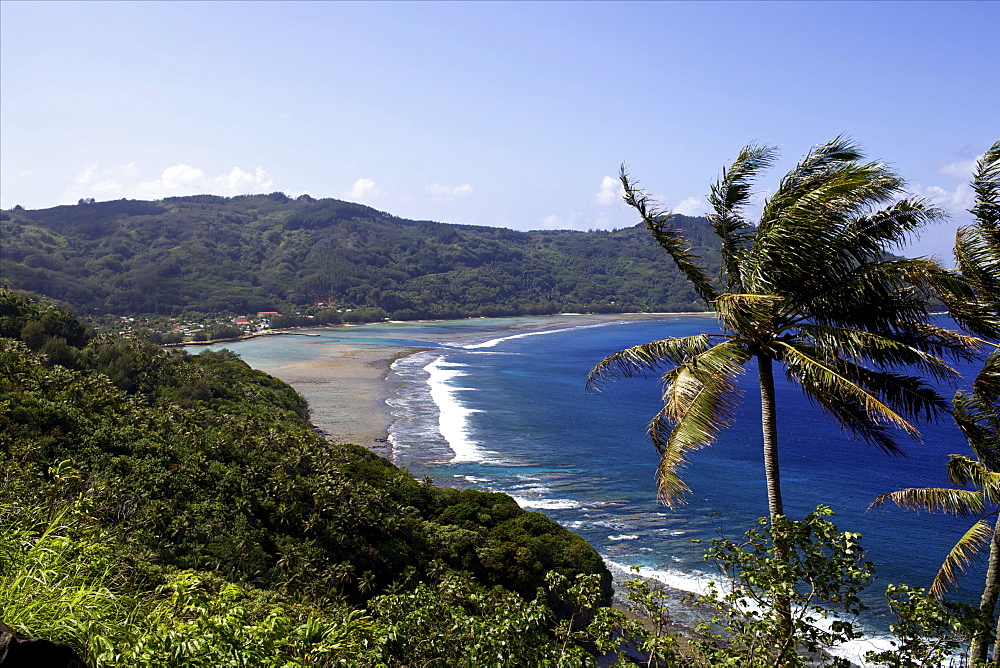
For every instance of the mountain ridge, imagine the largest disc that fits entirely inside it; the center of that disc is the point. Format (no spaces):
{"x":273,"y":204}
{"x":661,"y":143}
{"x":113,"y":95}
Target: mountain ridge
{"x":253,"y":253}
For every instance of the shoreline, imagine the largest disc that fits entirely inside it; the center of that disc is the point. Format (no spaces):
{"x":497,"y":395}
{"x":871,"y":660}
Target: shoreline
{"x":346,"y":388}
{"x":347,"y":384}
{"x":301,"y":331}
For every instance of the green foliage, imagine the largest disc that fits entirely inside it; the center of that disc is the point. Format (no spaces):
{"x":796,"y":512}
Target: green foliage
{"x":201,"y":464}
{"x":160,"y":508}
{"x":589,"y":623}
{"x":218,"y":467}
{"x":453,"y":622}
{"x":811,"y":285}
{"x":67,"y":579}
{"x":927,"y":632}
{"x":254,"y":253}
{"x":43,"y":327}
{"x":821,"y":572}
{"x":649,"y":604}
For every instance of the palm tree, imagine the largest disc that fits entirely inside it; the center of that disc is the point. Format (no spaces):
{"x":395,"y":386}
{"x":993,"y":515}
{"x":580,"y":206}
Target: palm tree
{"x":977,"y":255}
{"x":810,"y":286}
{"x":977,"y":413}
{"x":981,"y":425}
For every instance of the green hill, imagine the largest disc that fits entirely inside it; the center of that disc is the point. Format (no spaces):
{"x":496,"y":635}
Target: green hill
{"x":269,"y":252}
{"x":159,"y":508}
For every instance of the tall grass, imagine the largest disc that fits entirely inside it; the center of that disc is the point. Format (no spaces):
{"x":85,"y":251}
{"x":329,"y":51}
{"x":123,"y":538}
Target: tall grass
{"x":63,"y":578}
{"x":58,"y":580}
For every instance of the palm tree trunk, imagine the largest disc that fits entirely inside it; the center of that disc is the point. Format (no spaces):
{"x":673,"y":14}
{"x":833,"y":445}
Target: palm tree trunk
{"x":991,"y":589}
{"x":769,"y":424}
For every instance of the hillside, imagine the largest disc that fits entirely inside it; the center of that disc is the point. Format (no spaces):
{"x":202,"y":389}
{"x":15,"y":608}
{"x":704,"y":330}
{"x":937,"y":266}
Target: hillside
{"x":144,"y":491}
{"x":269,"y":252}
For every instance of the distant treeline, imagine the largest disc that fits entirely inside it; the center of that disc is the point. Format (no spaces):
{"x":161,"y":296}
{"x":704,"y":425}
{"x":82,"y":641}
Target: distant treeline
{"x":272,"y":253}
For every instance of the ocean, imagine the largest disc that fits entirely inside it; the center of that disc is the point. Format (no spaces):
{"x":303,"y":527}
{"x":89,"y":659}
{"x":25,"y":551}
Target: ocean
{"x":500,"y":408}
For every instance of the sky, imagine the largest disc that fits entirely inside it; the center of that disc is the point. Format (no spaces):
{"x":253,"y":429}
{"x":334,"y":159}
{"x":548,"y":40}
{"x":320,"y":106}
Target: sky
{"x":507,"y":114}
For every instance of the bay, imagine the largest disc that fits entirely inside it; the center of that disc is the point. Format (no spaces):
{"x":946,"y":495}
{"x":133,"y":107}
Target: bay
{"x":506,"y":410}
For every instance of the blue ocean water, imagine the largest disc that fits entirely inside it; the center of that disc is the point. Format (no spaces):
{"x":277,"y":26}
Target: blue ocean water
{"x":506,"y":410}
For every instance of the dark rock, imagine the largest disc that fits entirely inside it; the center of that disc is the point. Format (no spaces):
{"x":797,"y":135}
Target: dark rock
{"x":19,"y":651}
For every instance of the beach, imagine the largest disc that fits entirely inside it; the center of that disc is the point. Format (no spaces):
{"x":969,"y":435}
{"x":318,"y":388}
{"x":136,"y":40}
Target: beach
{"x":500,"y":405}
{"x":346,"y":384}
{"x":346,"y":388}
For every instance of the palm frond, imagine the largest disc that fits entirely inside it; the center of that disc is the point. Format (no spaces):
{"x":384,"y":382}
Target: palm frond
{"x":986,"y":184}
{"x":743,"y":313}
{"x":819,"y":224}
{"x":887,"y":296}
{"x":728,"y":196}
{"x":855,"y":421}
{"x":700,"y":398}
{"x":671,"y":488}
{"x":732,"y":192}
{"x":977,"y":252}
{"x":884,"y":396}
{"x":976,"y":304}
{"x":647,"y":357}
{"x":964,"y":470}
{"x":960,"y":502}
{"x":977,"y":256}
{"x":658,"y":222}
{"x":960,"y":557}
{"x":868,"y":347}
{"x":986,"y":386}
{"x":830,"y":178}
{"x":867,"y":238}
{"x":815,"y":168}
{"x":980,"y":424}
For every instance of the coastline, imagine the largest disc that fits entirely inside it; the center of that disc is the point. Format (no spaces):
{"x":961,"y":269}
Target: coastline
{"x":354,"y":376}
{"x":347,"y":385}
{"x":346,"y":388}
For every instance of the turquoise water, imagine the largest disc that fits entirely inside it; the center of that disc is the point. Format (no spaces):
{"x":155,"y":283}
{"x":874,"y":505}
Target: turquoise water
{"x":507,"y":411}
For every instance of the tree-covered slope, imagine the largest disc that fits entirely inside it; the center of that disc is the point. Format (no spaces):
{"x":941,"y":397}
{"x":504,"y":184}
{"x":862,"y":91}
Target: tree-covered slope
{"x":159,"y":508}
{"x":208,"y":464}
{"x":269,"y":252}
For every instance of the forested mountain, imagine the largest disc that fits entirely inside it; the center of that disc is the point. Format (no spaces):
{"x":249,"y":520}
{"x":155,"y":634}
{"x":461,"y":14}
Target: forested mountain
{"x":269,"y":252}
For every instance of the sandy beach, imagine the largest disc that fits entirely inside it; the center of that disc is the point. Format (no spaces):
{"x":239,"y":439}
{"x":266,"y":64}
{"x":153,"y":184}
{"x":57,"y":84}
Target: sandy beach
{"x":346,"y":385}
{"x":346,"y":389}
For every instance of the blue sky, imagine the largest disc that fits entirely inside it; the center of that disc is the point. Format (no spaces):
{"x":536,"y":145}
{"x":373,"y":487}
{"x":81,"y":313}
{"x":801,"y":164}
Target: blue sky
{"x":509,"y":114}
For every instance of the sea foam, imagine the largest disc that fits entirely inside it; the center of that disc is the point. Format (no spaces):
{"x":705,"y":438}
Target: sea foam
{"x":453,"y":421}
{"x":545,"y":504}
{"x":697,"y":584}
{"x":493,"y":342}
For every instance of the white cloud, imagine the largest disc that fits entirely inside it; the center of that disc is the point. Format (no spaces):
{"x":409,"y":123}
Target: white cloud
{"x":956,"y":201}
{"x":960,"y":169}
{"x":556,"y":222}
{"x":363,"y":189}
{"x":939,"y":239}
{"x":178,"y":176}
{"x":447,"y":193}
{"x":238,"y":180}
{"x":692,"y":206}
{"x":176,"y":180}
{"x":610,"y":192}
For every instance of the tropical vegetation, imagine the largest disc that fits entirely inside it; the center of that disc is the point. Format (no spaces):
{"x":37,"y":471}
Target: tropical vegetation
{"x":976,"y":411}
{"x":161,"y":509}
{"x":812,"y":287}
{"x":196,"y":487}
{"x":333,"y":260}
